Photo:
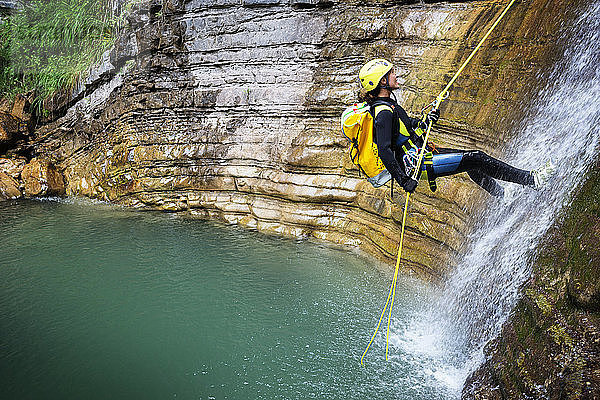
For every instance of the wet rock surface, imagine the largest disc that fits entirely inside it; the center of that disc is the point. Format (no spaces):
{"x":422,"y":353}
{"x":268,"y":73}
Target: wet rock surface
{"x":41,"y":178}
{"x":38,"y":177}
{"x":230,"y":110}
{"x":12,"y":167}
{"x":9,"y":187}
{"x":550,"y":347}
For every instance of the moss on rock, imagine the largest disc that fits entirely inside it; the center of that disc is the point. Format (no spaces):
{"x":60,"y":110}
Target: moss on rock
{"x":550,"y":347}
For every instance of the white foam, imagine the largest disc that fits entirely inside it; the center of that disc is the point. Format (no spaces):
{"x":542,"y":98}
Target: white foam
{"x":563,"y":125}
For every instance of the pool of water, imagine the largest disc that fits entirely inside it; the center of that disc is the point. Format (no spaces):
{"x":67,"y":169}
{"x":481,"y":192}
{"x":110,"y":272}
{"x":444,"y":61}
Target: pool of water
{"x":101,"y":302}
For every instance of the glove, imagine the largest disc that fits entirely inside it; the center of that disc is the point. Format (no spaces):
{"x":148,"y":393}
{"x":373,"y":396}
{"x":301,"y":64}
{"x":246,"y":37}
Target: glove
{"x":409,"y":184}
{"x":432,"y":117}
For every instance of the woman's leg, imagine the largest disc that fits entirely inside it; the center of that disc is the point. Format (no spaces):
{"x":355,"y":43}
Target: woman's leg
{"x":478,"y":160}
{"x":488,"y":183}
{"x":480,"y":167}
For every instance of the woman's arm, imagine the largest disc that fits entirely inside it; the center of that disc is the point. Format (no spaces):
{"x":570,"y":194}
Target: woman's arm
{"x":383,"y":138}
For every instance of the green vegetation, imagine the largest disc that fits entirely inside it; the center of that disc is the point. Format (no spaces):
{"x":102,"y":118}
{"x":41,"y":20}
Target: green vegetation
{"x":47,"y":44}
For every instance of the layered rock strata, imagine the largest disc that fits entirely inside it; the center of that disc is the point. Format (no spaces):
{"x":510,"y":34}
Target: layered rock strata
{"x":229,"y":110}
{"x":16,"y":123}
{"x":19,"y":178}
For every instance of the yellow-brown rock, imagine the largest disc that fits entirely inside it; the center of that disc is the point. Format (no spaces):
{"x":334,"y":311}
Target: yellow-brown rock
{"x":12,"y":167}
{"x":9,"y":188}
{"x":9,"y":127}
{"x":230,"y":111}
{"x":41,"y":178}
{"x":19,"y":107}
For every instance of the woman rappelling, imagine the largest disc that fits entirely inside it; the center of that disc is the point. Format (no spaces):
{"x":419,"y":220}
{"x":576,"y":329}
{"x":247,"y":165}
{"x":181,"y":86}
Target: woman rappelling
{"x":398,"y":139}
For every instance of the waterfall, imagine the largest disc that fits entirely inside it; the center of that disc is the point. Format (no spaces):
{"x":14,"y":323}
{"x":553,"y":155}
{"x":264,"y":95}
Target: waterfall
{"x":562,"y":124}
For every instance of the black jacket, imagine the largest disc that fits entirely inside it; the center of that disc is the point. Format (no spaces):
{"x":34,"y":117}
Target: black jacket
{"x":387,"y":132}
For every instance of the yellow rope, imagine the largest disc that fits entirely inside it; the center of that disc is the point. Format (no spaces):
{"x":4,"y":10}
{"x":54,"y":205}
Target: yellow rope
{"x":387,"y":342}
{"x":392,"y":288}
{"x":441,"y":97}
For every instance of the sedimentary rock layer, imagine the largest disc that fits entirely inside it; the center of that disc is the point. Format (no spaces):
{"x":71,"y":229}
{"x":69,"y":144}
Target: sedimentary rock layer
{"x":229,"y":110}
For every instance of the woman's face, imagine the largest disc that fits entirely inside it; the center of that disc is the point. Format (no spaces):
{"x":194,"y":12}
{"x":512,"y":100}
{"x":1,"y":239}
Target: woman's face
{"x":392,"y":81}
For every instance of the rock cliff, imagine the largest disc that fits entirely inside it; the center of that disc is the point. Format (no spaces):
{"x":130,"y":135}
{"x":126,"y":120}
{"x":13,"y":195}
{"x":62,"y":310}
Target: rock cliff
{"x":229,"y":109}
{"x":550,"y":347}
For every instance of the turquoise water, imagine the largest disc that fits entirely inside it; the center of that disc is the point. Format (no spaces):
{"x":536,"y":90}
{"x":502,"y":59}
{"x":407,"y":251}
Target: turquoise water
{"x":100,"y":302}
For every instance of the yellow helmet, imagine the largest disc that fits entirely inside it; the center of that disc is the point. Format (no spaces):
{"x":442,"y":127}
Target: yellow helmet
{"x":372,"y":72}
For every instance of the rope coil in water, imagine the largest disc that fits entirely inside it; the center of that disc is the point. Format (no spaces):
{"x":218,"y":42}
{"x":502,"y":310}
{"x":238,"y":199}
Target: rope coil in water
{"x":436,"y":104}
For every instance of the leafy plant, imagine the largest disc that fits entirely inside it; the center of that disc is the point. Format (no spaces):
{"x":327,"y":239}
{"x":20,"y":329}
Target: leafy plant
{"x":46,"y":44}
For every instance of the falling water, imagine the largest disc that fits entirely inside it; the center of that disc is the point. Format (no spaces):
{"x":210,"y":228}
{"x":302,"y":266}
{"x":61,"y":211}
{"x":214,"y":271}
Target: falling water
{"x":104,"y":303}
{"x":562,"y":125}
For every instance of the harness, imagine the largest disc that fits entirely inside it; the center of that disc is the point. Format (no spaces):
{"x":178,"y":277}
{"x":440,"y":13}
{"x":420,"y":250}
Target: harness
{"x":408,"y":140}
{"x":435,"y":105}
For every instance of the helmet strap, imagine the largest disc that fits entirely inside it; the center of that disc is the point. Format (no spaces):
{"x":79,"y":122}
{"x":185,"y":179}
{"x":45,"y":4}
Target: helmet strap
{"x":386,"y":85}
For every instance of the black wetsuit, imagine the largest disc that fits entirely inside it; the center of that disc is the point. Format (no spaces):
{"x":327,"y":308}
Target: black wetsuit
{"x":396,"y":135}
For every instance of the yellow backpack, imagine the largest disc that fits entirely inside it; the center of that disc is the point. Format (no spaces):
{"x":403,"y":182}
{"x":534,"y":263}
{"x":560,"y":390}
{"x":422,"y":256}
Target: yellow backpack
{"x":357,"y":127}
